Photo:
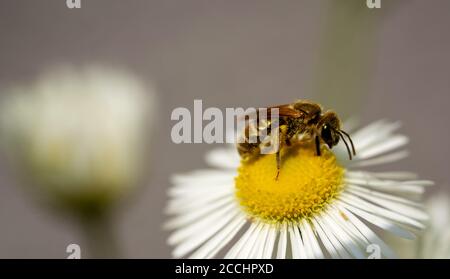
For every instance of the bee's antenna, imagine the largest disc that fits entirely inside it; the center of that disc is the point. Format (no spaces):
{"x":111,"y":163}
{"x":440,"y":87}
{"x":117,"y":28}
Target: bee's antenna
{"x":346,"y":145}
{"x":351,"y":142}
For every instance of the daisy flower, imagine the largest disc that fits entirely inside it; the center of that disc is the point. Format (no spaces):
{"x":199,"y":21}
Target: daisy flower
{"x":320,"y":207}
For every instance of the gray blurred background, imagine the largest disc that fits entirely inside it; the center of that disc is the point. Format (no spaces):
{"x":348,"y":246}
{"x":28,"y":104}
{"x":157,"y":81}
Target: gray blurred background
{"x":389,"y":63}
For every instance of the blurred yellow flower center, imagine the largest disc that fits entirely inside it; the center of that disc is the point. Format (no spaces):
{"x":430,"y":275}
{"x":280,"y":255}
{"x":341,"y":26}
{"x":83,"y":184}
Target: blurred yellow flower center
{"x":306,"y":184}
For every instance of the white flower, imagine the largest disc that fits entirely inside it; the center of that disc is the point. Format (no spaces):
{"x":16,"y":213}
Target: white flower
{"x":319,"y":207}
{"x":434,"y":242}
{"x":78,"y":134}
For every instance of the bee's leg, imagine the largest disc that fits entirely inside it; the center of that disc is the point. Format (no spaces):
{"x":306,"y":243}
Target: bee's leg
{"x":278,"y":157}
{"x":288,"y":142}
{"x":278,"y":164}
{"x":281,"y":139}
{"x":317,"y":140}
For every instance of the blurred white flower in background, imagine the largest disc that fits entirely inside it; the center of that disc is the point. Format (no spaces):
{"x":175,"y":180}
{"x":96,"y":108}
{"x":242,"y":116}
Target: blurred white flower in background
{"x":434,"y":242}
{"x":78,"y":136}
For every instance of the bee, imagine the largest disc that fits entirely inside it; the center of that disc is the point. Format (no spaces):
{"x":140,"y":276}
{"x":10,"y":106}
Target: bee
{"x":297,"y":122}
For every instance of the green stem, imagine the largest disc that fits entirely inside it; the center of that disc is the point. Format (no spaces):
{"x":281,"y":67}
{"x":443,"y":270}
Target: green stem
{"x":99,"y":238}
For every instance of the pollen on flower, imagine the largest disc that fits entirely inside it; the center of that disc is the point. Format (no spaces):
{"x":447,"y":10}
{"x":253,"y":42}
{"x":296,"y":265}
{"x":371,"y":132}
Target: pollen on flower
{"x":306,"y":184}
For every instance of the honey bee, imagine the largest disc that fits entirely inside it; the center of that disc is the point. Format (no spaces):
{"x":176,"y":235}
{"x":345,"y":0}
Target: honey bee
{"x":300,"y":121}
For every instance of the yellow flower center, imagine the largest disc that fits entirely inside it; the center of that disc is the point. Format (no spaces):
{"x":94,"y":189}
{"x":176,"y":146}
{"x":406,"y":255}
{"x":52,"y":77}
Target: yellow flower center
{"x":305,"y":185}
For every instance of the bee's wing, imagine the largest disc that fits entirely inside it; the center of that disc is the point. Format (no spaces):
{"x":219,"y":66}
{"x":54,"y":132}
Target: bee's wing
{"x":285,"y":110}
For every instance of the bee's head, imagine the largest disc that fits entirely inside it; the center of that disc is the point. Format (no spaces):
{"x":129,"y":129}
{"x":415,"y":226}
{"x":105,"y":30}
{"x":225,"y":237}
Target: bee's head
{"x":329,"y":128}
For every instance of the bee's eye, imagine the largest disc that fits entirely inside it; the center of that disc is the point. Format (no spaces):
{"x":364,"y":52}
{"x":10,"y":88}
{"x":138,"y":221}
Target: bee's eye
{"x":326,"y":133}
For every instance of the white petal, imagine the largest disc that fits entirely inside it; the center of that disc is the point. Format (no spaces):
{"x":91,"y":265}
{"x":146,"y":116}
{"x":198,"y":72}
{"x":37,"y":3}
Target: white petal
{"x":387,"y":145}
{"x":380,"y":222}
{"x":350,"y":124}
{"x":418,"y":182}
{"x":258,"y":248}
{"x":366,"y":231}
{"x":373,"y":133}
{"x":193,"y":215}
{"x":183,"y":205}
{"x":282,"y":242}
{"x":366,"y":131}
{"x":270,"y":243}
{"x":200,"y":226}
{"x":387,"y":186}
{"x":388,"y":158}
{"x":223,"y":158}
{"x":217,"y":242}
{"x":186,"y":192}
{"x":397,"y":199}
{"x":237,"y":247}
{"x":345,"y":239}
{"x":200,"y":234}
{"x":408,"y":211}
{"x":331,"y":236}
{"x":306,"y":243}
{"x":298,"y":249}
{"x":342,"y":220}
{"x":326,"y":242}
{"x":247,"y":248}
{"x":366,"y":206}
{"x":312,"y":239}
{"x":395,"y":175}
{"x":200,"y":177}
